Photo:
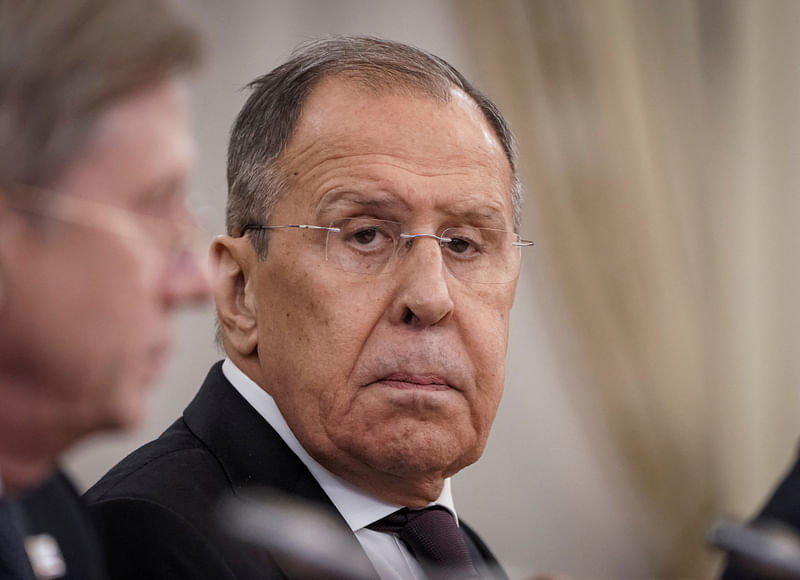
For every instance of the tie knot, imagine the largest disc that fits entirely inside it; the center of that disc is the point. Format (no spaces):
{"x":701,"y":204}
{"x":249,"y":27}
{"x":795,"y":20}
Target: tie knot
{"x":434,"y":518}
{"x":434,"y":539}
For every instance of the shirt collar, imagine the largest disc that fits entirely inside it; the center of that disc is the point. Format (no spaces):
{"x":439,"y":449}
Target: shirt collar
{"x":356,"y":507}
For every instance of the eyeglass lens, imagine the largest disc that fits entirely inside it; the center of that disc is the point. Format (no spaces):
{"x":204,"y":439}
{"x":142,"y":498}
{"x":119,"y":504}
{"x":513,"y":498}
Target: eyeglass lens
{"x":472,"y":254}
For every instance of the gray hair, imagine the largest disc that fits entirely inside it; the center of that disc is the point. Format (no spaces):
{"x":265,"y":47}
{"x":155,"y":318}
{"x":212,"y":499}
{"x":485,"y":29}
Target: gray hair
{"x":268,"y":119}
{"x":63,"y":63}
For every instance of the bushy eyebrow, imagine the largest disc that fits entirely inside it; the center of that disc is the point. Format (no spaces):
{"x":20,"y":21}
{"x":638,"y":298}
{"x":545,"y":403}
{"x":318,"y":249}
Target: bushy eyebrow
{"x":484,"y":214}
{"x":372,"y":201}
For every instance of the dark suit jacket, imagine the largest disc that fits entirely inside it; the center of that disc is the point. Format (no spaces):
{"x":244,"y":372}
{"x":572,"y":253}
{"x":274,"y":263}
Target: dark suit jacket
{"x":155,"y":508}
{"x":54,"y":508}
{"x":784,"y":507}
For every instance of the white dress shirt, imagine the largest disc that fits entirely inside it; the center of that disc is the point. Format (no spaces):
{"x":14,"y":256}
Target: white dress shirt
{"x":389,"y":556}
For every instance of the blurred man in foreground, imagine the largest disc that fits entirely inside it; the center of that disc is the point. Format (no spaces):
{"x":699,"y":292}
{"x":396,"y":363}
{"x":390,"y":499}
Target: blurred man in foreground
{"x":94,"y":155}
{"x":363,"y":294}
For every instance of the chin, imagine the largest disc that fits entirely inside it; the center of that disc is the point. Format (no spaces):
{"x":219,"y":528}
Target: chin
{"x":124,"y":413}
{"x":423,"y":452}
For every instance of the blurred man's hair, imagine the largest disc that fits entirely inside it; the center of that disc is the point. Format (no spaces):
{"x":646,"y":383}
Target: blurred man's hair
{"x":268,"y":119}
{"x":63,"y":63}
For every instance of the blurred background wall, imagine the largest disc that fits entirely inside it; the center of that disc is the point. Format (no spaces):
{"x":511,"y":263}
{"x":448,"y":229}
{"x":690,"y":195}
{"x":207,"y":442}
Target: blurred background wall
{"x":654,"y":368}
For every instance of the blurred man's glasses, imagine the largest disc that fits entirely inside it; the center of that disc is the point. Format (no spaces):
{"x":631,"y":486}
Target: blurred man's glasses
{"x":373,"y":246}
{"x":168,"y":234}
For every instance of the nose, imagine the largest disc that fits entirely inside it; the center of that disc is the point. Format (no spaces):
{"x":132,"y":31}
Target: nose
{"x":423,"y":296}
{"x":187,"y":280}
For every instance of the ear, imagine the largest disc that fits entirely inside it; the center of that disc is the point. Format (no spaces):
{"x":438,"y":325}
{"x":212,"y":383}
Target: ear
{"x":230,"y":260}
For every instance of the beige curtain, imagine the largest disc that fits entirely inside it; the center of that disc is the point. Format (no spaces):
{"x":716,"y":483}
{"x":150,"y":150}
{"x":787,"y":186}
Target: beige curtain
{"x":660,"y":149}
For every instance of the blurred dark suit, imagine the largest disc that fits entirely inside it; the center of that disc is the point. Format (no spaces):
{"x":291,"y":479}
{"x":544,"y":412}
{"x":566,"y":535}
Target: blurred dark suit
{"x":53,"y":514}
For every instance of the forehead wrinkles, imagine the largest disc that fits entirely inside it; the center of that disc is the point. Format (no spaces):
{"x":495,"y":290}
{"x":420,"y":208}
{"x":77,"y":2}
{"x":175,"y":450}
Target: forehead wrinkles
{"x":345,"y":134}
{"x":383,"y":180}
{"x":344,"y":114}
{"x":326,"y":161}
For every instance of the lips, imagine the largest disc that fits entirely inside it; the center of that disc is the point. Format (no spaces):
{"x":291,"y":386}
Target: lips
{"x":427,"y":382}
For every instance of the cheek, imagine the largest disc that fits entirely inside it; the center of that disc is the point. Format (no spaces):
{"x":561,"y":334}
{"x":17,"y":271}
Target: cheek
{"x":484,"y":324}
{"x":80,"y":335}
{"x":312,"y":330}
{"x":125,"y":303}
{"x":294,"y":320}
{"x":112,"y":315}
{"x":103,"y":297}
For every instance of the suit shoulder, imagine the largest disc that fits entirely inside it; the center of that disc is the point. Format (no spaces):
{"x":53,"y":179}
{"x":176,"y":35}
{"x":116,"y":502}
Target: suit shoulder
{"x":144,"y":539}
{"x":175,"y":464}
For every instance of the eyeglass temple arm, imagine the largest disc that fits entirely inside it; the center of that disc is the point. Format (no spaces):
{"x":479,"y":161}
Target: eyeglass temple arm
{"x":519,"y":244}
{"x":299,"y":226}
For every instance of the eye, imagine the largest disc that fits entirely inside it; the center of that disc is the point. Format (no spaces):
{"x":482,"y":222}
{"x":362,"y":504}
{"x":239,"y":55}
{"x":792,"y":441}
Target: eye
{"x":365,"y":235}
{"x":458,"y":245}
{"x":161,"y":200}
{"x":465,"y":242}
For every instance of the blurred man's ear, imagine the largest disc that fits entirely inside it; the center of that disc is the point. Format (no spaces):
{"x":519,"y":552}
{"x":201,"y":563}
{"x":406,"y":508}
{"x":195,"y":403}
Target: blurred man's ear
{"x":229,"y":263}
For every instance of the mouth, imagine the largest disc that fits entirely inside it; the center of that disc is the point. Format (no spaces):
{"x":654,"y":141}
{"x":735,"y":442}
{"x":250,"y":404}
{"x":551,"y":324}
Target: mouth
{"x":407,"y":381}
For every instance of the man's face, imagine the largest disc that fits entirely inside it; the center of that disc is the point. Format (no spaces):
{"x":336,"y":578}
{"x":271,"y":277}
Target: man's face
{"x":91,"y":279}
{"x":395,"y":376}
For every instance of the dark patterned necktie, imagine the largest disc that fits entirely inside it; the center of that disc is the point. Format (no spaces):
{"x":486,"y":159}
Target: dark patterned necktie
{"x":14,"y":563}
{"x":433,"y":538}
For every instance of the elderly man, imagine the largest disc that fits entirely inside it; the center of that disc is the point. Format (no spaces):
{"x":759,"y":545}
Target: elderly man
{"x":94,"y":153}
{"x":363,"y":295}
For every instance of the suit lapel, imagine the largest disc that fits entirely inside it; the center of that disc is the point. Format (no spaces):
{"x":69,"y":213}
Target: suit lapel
{"x":485,"y":562}
{"x":13,"y":559}
{"x":250,"y":452}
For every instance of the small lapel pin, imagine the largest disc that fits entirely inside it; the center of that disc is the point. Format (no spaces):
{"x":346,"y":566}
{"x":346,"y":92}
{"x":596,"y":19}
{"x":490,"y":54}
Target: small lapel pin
{"x":45,"y":557}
